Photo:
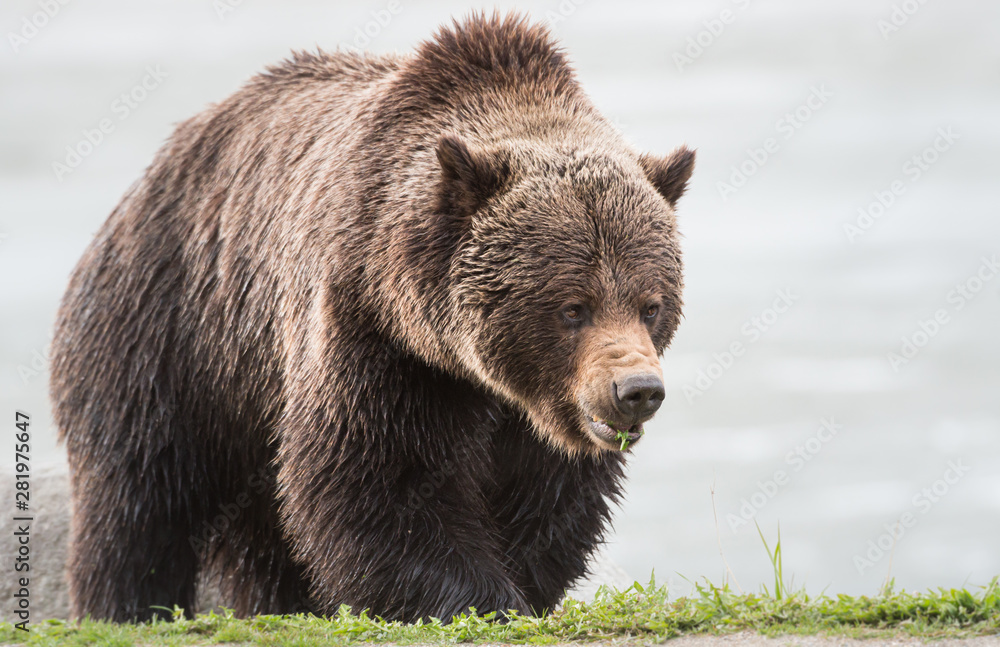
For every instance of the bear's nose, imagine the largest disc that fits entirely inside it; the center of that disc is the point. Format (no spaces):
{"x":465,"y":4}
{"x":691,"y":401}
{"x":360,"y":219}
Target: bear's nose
{"x":639,"y":396}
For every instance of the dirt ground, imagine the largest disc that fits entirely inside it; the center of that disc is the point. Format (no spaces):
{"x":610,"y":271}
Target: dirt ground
{"x":747,"y":639}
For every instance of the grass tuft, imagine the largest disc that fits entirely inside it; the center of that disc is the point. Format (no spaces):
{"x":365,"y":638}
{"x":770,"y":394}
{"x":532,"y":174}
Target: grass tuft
{"x":641,"y":613}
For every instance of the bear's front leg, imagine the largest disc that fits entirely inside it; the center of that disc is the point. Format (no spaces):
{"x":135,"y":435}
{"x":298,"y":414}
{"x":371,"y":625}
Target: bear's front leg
{"x":381,"y":479}
{"x":552,"y":509}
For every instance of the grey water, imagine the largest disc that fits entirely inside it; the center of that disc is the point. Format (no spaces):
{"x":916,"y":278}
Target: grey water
{"x":836,"y":372}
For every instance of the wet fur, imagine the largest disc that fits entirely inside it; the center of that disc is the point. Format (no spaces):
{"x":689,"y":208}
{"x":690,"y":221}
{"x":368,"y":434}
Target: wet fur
{"x":307,"y":279}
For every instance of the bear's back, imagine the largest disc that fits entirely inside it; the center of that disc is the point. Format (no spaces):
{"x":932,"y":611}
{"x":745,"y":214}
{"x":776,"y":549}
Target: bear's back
{"x":181,"y":279}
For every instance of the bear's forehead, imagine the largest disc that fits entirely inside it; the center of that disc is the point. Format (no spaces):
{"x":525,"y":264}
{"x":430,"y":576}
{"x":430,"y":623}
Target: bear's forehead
{"x":602,"y":181}
{"x":593,"y":204}
{"x":588,"y":167}
{"x":605,"y":236}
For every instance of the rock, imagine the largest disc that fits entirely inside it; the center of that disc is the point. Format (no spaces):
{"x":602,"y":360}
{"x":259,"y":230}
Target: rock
{"x":49,"y":530}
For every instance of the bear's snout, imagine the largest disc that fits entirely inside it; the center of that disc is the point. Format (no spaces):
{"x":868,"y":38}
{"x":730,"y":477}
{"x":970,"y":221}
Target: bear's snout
{"x":619,"y":386}
{"x":638,"y":396}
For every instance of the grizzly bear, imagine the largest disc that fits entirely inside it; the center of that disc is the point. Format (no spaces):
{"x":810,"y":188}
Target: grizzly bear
{"x":375,"y":331}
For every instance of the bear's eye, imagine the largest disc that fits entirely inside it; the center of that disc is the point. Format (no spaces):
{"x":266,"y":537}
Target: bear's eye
{"x":650,"y":312}
{"x":575,"y":313}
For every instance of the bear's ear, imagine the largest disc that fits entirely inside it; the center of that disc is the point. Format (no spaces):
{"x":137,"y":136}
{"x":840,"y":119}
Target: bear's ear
{"x":469,"y":177}
{"x":670,"y":174}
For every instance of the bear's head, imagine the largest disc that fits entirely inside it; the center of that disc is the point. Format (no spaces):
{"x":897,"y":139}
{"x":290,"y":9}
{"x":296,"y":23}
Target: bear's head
{"x":566,"y":280}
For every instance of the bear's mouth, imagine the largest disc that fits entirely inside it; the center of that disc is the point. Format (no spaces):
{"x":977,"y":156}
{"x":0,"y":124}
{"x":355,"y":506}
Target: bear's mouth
{"x":608,"y":432}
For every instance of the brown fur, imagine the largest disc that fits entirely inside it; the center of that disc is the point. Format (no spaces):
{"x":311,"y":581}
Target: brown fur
{"x":357,"y":269}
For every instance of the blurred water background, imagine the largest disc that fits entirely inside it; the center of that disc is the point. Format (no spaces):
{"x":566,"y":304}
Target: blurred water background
{"x":783,"y":397}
